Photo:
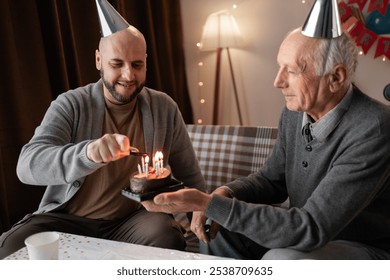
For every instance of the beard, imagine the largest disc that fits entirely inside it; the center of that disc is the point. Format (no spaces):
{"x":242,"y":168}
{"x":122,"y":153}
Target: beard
{"x":121,"y":99}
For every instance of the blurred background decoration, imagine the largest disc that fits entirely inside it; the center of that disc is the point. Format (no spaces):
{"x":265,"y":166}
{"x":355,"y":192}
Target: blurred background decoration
{"x":368,"y":22}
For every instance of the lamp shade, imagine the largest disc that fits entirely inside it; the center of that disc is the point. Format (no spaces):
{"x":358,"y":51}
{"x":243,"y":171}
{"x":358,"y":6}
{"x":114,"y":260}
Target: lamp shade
{"x":110,"y":20}
{"x":323,"y":20}
{"x":220,"y":31}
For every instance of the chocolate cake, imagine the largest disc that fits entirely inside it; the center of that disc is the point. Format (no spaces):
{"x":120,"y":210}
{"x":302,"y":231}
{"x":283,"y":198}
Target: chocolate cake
{"x":139,"y":183}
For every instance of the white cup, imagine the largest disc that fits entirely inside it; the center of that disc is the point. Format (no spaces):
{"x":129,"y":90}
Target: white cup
{"x":43,"y":246}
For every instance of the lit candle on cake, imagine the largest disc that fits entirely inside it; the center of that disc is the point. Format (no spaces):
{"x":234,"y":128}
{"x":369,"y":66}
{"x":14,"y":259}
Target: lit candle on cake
{"x":146,"y":166}
{"x":143,"y":164}
{"x":139,"y":169}
{"x":156,"y":164}
{"x":161,"y":162}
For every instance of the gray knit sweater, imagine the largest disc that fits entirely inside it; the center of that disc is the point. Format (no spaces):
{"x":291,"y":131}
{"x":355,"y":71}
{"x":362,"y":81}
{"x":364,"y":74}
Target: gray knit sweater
{"x":56,"y":154}
{"x":339,"y":185}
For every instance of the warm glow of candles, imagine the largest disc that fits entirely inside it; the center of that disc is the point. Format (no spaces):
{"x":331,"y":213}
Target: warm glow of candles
{"x":156,"y":161}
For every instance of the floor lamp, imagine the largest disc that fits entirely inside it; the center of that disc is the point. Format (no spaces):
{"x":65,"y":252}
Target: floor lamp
{"x":221,"y":32}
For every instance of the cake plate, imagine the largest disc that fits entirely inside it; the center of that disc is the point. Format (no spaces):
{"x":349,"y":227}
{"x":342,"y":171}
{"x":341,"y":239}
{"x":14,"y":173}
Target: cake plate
{"x":174,"y":186}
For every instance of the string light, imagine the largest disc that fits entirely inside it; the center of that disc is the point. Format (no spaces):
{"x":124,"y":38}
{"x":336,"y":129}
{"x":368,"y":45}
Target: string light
{"x":200,"y":85}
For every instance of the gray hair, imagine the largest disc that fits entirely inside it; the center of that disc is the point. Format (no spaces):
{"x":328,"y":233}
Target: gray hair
{"x":328,"y":53}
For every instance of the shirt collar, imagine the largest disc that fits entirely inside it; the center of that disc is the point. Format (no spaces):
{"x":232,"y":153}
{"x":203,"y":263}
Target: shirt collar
{"x":324,"y":126}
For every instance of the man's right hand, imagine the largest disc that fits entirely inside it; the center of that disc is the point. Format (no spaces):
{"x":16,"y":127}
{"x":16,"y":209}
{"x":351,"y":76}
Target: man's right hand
{"x":109,"y":147}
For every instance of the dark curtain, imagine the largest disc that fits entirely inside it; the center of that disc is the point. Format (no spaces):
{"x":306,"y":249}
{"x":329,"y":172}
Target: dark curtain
{"x":48,"y":47}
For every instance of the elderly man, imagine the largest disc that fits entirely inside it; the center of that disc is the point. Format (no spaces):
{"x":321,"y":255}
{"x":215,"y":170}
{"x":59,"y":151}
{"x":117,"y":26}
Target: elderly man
{"x":331,"y":159}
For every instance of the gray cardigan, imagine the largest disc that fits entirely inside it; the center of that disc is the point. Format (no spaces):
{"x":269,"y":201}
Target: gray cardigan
{"x":339,"y":186}
{"x":56,"y":154}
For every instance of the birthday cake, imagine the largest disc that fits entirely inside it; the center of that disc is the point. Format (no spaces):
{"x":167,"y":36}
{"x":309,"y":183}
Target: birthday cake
{"x":150,"y":181}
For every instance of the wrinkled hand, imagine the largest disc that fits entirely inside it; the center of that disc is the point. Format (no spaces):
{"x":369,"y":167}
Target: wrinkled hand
{"x":185,"y":200}
{"x":109,"y":147}
{"x":188,"y":200}
{"x":198,"y":226}
{"x":199,"y":221}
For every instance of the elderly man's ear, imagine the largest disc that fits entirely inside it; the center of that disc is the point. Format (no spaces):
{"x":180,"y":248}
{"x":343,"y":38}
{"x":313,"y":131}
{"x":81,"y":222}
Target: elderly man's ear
{"x":337,"y":78}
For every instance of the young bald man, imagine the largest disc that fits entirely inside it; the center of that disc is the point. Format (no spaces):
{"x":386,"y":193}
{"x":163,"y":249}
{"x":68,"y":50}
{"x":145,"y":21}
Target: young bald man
{"x":81,"y":153}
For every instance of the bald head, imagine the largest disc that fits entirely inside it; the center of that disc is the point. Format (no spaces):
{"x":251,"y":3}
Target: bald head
{"x":130,"y":35}
{"x":121,"y":60}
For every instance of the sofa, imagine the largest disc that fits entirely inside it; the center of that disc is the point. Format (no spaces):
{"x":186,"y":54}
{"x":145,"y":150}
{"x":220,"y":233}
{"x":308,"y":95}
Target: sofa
{"x":227,"y":152}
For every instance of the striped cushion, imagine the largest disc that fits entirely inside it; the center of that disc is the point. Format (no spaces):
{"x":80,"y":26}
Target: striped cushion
{"x":227,"y":152}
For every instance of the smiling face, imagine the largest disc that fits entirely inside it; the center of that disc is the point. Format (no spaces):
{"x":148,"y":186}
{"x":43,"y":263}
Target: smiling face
{"x":302,"y":88}
{"x":121,"y":60}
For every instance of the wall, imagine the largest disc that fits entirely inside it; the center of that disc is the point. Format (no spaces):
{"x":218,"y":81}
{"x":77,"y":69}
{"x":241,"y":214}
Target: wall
{"x":263,"y":23}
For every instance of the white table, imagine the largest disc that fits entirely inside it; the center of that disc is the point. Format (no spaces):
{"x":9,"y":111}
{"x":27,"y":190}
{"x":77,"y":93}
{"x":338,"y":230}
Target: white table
{"x":76,"y":247}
